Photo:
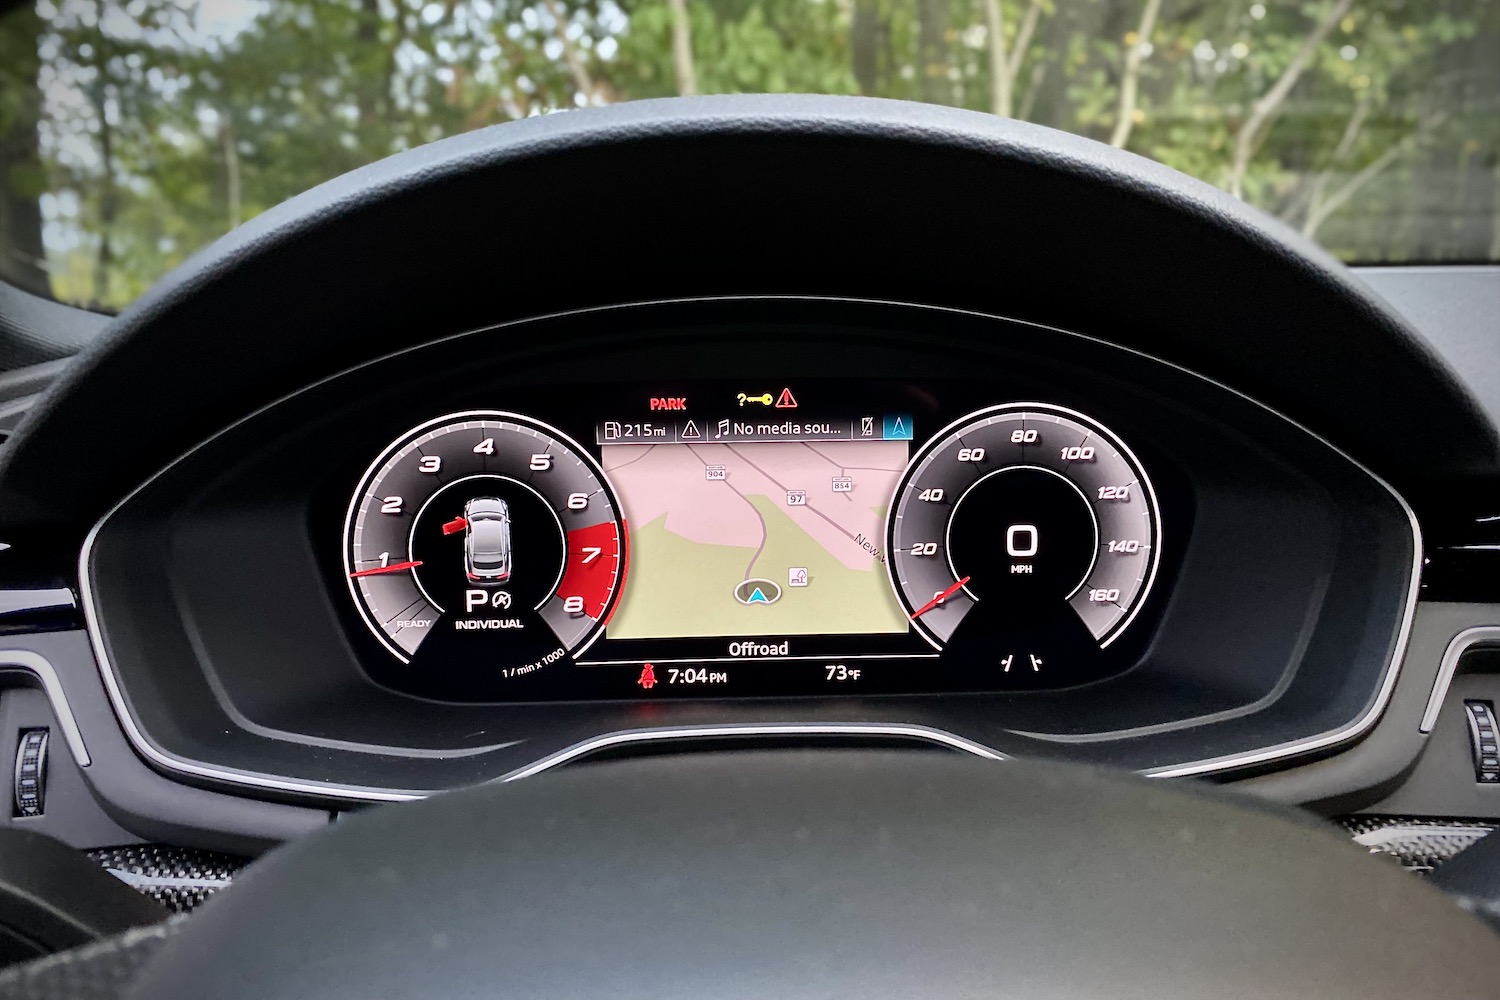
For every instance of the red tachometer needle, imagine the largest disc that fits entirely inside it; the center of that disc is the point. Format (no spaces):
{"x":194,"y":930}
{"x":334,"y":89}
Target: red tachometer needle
{"x":939,"y":599}
{"x":456,"y":525}
{"x":392,"y":568}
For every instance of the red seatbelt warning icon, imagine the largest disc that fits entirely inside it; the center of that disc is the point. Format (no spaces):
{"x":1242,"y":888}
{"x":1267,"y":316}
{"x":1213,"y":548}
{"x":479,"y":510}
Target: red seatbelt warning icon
{"x":648,"y":677}
{"x":786,"y":401}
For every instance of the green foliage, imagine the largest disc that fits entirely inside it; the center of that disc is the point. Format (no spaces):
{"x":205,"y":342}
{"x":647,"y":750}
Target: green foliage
{"x":152,"y":129}
{"x":740,"y":46}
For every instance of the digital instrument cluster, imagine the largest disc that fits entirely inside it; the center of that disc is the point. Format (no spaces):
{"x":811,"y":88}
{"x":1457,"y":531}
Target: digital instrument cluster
{"x":755,"y":540}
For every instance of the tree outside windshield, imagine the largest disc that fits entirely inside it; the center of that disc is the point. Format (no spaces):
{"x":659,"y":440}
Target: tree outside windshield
{"x":132,"y":133}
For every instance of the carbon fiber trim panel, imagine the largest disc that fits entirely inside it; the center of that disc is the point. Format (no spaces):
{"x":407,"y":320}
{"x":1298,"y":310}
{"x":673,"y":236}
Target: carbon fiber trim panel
{"x":180,"y":878}
{"x":1419,"y":844}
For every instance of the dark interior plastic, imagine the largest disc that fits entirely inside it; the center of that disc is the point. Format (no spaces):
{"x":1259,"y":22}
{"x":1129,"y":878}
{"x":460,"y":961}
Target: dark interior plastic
{"x":53,"y":898}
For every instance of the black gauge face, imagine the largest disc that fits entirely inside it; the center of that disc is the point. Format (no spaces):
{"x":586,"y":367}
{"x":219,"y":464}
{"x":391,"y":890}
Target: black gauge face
{"x":1024,"y":539}
{"x":487,"y":539}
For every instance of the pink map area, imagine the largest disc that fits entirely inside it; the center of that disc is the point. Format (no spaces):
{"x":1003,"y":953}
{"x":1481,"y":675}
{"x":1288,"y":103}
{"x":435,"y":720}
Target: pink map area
{"x":673,"y":480}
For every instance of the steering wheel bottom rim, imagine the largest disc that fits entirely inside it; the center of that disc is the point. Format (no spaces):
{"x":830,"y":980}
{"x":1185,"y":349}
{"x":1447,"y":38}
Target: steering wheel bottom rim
{"x":833,"y":873}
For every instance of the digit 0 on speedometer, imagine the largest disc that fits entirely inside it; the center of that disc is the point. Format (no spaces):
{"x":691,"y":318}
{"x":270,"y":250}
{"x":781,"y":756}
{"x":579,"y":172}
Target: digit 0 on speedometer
{"x":1024,"y":534}
{"x":485,"y":542}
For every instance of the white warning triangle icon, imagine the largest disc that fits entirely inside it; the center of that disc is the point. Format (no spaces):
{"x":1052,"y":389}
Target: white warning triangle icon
{"x":690,"y":431}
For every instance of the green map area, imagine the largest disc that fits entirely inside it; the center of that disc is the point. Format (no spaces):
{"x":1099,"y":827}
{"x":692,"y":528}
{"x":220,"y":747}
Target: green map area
{"x":678,"y":587}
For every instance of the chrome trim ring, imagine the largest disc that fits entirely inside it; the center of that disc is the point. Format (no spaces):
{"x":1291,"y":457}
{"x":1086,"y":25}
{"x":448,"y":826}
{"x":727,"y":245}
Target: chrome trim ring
{"x":629,"y":736}
{"x":38,"y":666}
{"x":1456,"y":649}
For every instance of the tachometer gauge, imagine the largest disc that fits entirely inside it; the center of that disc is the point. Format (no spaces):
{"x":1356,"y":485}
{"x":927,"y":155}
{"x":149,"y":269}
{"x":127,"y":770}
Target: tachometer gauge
{"x":487,"y":539}
{"x":1023,"y":540}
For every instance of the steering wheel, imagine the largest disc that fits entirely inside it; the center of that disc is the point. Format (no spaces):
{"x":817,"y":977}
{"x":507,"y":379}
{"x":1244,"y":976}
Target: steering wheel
{"x":786,"y":874}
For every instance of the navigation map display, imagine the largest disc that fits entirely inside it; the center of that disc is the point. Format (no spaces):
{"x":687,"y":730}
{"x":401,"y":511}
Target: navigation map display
{"x":759,"y":527}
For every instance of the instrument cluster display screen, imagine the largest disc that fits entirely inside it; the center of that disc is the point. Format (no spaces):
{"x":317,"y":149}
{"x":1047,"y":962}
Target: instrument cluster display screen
{"x":754,"y":540}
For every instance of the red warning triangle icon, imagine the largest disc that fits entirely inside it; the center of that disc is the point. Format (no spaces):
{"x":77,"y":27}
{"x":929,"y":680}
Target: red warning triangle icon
{"x":786,"y":401}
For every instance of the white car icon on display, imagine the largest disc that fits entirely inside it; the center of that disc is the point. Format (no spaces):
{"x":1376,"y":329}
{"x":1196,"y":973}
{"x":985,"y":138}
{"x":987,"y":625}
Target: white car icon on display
{"x":487,"y":540}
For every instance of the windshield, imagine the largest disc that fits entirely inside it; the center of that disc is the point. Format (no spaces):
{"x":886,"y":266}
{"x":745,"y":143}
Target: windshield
{"x":132,"y":133}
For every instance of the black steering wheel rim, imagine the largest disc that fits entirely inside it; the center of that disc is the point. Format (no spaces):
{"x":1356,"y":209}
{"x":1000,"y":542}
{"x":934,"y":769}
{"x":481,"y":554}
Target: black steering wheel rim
{"x":793,"y":874}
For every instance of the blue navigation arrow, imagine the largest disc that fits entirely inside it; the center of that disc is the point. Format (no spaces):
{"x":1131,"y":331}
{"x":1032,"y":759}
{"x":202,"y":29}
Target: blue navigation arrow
{"x":757,"y":590}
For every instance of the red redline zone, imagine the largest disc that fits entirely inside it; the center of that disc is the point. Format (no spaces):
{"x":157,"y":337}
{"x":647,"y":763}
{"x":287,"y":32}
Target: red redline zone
{"x":624,"y":535}
{"x":594,"y":581}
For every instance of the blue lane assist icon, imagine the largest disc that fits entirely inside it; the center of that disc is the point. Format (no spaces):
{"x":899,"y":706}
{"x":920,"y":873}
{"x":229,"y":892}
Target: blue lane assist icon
{"x":897,"y":427}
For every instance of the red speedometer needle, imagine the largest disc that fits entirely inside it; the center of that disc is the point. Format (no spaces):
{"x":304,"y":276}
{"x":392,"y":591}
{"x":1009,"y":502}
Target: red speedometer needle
{"x":939,"y":599}
{"x":456,"y":525}
{"x":392,"y":568}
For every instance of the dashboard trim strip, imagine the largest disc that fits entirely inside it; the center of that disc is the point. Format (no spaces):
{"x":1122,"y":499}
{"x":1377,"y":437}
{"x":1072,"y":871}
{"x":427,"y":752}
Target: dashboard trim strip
{"x":41,"y":668}
{"x":628,"y":736}
{"x":1228,"y":762}
{"x":1456,"y":649}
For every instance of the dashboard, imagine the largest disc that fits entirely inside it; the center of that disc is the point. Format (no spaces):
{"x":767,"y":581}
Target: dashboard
{"x":1136,"y":480}
{"x":1030,"y":540}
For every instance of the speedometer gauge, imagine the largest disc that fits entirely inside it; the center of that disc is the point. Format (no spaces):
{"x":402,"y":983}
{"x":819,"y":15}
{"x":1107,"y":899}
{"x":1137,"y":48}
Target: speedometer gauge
{"x":1024,"y":539}
{"x":487,"y":539}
